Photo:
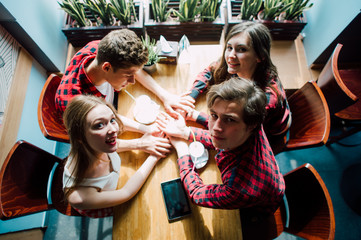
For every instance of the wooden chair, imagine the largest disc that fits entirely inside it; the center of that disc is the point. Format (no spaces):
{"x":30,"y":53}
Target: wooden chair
{"x":307,"y":211}
{"x":30,"y":182}
{"x":310,"y":125}
{"x":311,"y":214}
{"x":342,"y":90}
{"x":50,"y":121}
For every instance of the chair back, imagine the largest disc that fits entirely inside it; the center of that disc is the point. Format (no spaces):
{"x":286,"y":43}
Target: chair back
{"x":24,"y":182}
{"x":310,"y":118}
{"x":50,"y":121}
{"x":337,"y":94}
{"x":311,"y":214}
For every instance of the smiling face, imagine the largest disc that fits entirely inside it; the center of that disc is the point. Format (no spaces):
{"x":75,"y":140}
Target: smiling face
{"x":240,"y":56}
{"x":226,"y":125}
{"x":101,"y":129}
{"x":122,"y":77}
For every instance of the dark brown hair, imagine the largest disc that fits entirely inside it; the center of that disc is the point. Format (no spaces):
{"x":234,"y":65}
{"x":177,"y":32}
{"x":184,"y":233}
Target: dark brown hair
{"x":260,"y":39}
{"x":122,"y":49}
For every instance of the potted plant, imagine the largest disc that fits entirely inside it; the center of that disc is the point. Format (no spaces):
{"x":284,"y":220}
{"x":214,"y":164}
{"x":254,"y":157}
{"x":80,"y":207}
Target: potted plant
{"x":210,"y":10}
{"x":153,"y":54}
{"x":124,"y":11}
{"x":250,"y":9}
{"x":185,"y":17}
{"x":272,"y":9}
{"x":99,"y":17}
{"x":295,"y":9}
{"x":160,"y":10}
{"x":274,"y":17}
{"x":100,"y":10}
{"x":188,"y":10}
{"x":76,"y":12}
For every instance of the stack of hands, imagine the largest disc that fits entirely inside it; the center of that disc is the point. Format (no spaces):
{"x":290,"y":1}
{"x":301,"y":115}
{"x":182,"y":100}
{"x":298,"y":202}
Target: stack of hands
{"x":169,"y":130}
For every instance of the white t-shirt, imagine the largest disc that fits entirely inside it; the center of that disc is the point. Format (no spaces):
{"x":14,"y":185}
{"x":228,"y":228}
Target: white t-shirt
{"x":107,"y":90}
{"x":108,"y":182}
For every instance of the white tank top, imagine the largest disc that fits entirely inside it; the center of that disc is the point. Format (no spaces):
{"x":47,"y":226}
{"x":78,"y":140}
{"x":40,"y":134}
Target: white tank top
{"x":107,"y":182}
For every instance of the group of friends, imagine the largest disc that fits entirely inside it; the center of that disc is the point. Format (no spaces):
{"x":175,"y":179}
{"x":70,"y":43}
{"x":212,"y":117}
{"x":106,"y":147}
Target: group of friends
{"x":248,"y":116}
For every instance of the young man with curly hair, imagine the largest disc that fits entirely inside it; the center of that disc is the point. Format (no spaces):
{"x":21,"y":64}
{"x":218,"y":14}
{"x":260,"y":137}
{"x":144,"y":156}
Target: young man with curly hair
{"x":108,"y":65}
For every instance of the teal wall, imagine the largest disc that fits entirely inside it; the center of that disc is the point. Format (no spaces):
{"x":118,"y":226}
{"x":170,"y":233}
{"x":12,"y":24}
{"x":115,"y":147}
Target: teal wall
{"x":42,"y":20}
{"x":325,"y":21}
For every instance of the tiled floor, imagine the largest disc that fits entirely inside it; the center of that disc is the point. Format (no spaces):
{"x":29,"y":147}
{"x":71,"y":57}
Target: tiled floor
{"x":338,"y":164}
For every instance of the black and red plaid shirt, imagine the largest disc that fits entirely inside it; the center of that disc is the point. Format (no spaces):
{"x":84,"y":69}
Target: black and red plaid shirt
{"x":75,"y":81}
{"x":278,"y":110}
{"x":250,"y":176}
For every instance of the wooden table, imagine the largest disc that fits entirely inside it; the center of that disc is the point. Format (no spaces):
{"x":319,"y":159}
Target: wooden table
{"x":144,"y":216}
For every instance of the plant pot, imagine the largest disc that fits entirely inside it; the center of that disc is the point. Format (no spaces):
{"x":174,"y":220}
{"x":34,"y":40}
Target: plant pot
{"x":280,"y":30}
{"x":173,"y":30}
{"x":150,"y":68}
{"x":80,"y":36}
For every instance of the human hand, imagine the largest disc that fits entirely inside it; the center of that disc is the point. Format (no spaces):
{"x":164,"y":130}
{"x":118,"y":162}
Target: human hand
{"x":174,"y":102}
{"x":180,"y":145}
{"x":173,"y":127}
{"x":192,"y":115}
{"x":157,"y":146}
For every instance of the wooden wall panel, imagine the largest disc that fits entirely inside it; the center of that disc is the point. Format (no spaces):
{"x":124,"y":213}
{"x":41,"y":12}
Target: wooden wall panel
{"x":15,"y":103}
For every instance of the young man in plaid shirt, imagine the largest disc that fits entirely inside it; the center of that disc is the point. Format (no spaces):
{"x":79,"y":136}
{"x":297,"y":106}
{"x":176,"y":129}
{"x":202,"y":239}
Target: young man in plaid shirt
{"x":109,"y":65}
{"x":250,"y":174}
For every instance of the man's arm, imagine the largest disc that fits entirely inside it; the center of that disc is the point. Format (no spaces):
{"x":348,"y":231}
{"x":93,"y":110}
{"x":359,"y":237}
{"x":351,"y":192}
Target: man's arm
{"x":170,"y":101}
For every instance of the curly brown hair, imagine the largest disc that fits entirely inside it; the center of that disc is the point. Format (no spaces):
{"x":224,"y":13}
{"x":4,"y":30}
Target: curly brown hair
{"x":122,"y":49}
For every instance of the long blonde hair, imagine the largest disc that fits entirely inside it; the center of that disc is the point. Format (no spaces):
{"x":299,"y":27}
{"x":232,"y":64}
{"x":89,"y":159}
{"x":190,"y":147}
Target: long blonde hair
{"x":75,"y":123}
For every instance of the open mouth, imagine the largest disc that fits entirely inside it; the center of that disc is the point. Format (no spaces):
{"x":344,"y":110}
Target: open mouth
{"x":111,"y":140}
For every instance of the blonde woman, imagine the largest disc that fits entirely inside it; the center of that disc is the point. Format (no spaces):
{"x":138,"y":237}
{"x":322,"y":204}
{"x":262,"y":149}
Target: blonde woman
{"x":91,"y":171}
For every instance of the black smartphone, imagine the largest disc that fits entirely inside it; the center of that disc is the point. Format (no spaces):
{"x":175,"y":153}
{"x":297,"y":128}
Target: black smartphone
{"x":175,"y":199}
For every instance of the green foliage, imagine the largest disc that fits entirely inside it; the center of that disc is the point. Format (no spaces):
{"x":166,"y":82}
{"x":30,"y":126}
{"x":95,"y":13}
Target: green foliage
{"x":250,"y":9}
{"x":209,"y":9}
{"x":76,"y":10}
{"x":159,"y":8}
{"x":153,"y":52}
{"x":296,"y":9}
{"x":273,"y":8}
{"x":123,"y":10}
{"x":188,"y":10}
{"x":101,"y":9}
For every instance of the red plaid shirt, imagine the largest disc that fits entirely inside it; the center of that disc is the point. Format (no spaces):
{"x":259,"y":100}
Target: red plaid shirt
{"x":250,"y":176}
{"x":278,"y":110}
{"x":75,"y":81}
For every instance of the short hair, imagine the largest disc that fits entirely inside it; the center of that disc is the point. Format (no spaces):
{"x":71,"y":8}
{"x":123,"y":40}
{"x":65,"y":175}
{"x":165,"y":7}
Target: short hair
{"x":244,"y":92}
{"x":122,"y":49}
{"x":75,"y":123}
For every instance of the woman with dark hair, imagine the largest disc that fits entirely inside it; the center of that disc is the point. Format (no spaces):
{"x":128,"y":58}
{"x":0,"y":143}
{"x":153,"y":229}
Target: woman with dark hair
{"x":246,"y":54}
{"x":91,"y":171}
